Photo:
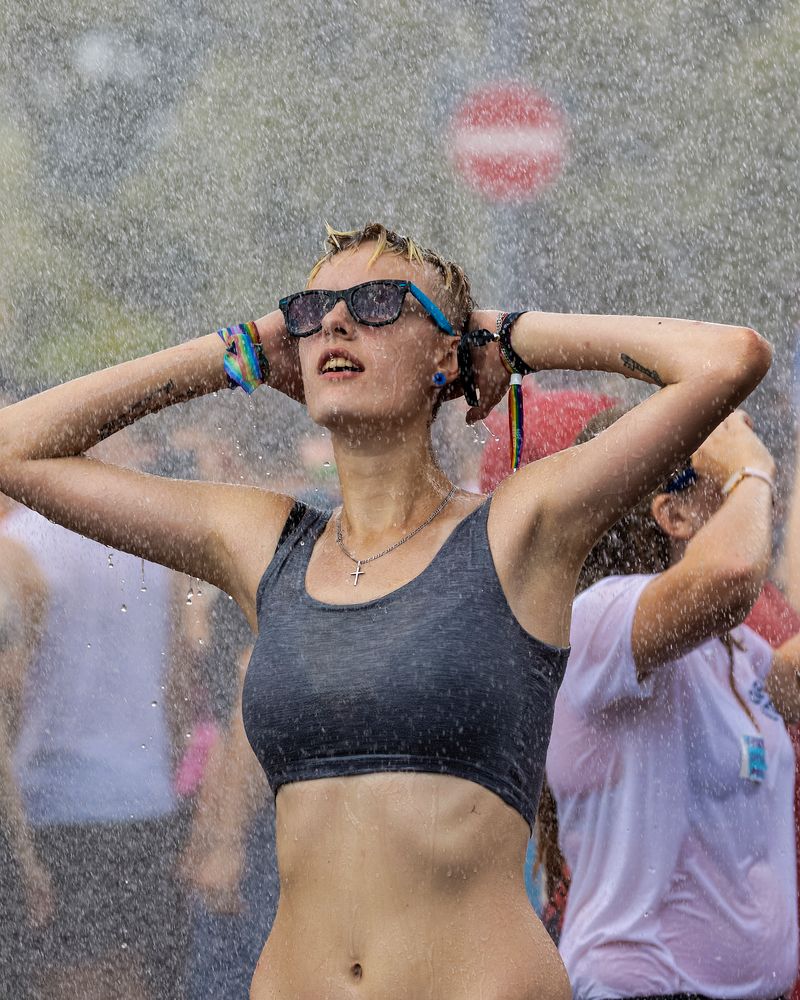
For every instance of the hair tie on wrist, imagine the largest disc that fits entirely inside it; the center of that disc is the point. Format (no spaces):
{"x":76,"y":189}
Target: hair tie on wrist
{"x":468,"y":340}
{"x":245,"y":363}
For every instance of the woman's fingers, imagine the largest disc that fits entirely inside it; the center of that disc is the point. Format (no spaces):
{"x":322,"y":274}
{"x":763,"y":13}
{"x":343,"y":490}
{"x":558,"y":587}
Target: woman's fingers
{"x":731,"y":446}
{"x":487,"y":400}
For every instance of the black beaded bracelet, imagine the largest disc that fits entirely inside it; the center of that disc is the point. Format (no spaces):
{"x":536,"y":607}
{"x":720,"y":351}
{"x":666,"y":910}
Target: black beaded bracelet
{"x":513,"y":361}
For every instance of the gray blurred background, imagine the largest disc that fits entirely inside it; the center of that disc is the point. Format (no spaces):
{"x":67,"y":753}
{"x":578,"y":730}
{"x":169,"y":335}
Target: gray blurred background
{"x":166,"y":166}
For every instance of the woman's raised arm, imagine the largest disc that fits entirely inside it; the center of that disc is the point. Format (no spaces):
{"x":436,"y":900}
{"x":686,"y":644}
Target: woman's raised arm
{"x":188,"y":526}
{"x":703,"y":372}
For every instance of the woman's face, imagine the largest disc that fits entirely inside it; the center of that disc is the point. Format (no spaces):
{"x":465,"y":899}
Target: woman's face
{"x":392,"y":384}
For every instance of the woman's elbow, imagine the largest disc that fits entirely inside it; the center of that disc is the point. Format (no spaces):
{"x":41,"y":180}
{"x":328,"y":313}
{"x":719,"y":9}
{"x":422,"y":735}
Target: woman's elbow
{"x":748,"y":357}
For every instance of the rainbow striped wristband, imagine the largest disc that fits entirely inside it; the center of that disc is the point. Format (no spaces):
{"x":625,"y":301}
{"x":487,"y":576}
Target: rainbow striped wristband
{"x":245,"y":363}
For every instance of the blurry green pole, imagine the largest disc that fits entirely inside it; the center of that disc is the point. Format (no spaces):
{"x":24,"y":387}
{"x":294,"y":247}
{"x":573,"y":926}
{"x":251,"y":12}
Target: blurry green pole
{"x":511,"y":282}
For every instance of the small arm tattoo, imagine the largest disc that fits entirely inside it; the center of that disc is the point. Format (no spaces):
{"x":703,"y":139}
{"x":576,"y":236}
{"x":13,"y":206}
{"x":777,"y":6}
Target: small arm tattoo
{"x":152,"y":401}
{"x":634,"y":366}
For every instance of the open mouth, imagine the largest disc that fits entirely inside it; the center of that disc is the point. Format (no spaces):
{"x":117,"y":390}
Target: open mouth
{"x":339,"y":363}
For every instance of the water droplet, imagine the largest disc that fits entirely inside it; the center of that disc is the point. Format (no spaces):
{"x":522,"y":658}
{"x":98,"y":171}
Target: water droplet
{"x":88,"y":645}
{"x":189,"y":596}
{"x":110,"y":560}
{"x":153,"y":704}
{"x":124,"y":608}
{"x":326,"y":465}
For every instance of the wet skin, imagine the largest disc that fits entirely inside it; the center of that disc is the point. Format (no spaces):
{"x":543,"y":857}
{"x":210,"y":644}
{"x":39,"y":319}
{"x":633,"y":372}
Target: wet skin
{"x":409,"y":934}
{"x":403,"y":885}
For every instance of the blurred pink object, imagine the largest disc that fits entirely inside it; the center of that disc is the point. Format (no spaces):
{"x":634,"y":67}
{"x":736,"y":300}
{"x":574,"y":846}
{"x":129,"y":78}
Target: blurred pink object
{"x":553,"y":419}
{"x":193,"y":763}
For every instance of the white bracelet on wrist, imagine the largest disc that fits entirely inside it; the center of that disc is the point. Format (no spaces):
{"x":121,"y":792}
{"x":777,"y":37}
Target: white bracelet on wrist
{"x":741,"y":474}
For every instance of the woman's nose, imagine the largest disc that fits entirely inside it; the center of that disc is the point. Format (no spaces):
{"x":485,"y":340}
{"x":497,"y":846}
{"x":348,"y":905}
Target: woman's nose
{"x":339,"y":321}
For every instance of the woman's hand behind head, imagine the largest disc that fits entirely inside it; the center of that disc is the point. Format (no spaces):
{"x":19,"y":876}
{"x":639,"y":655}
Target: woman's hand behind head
{"x":731,"y":446}
{"x":490,"y":375}
{"x":282,"y":354}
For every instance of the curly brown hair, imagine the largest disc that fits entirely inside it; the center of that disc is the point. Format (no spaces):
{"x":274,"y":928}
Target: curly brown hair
{"x":635,"y":544}
{"x":456,"y":297}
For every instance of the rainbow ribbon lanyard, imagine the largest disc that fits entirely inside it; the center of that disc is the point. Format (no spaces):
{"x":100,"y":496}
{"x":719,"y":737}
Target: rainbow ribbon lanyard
{"x":245,"y":363}
{"x":516,"y":412}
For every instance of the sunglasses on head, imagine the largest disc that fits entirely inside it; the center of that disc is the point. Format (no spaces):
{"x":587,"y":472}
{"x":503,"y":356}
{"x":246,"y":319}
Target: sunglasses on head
{"x":373,"y":303}
{"x":681,"y":480}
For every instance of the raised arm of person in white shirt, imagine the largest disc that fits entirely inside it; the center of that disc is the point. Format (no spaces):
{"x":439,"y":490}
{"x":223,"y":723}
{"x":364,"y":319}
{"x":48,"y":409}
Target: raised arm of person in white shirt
{"x":721,"y":548}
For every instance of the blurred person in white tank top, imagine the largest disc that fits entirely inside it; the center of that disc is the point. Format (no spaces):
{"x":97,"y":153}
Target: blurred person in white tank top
{"x":94,"y":763}
{"x":26,"y":896}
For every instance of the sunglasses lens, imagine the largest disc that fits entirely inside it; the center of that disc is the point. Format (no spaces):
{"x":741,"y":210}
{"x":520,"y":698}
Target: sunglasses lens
{"x":378,"y":302}
{"x":304,"y":314}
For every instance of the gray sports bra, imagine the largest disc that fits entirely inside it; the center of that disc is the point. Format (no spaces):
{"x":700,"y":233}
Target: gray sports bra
{"x":436,"y":676}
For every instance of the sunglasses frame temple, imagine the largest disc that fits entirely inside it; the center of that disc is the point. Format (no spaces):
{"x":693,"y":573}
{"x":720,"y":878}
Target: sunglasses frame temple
{"x":433,"y":310}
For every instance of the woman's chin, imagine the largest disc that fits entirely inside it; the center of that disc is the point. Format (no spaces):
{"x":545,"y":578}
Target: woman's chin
{"x":364,"y":422}
{"x":341,"y":416}
{"x":365,"y":411}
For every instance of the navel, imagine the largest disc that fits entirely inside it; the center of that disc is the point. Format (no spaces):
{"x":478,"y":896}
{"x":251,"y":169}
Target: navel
{"x":356,"y":970}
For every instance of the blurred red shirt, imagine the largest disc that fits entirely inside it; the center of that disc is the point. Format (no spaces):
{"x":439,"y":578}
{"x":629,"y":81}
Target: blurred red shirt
{"x":552,"y":421}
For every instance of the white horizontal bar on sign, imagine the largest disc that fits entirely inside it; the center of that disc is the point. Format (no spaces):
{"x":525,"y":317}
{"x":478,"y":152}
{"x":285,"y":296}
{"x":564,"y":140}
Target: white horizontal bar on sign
{"x":508,"y":141}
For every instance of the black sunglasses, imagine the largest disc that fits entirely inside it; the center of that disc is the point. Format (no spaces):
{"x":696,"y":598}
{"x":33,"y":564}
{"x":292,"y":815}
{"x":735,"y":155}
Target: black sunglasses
{"x":372,"y":303}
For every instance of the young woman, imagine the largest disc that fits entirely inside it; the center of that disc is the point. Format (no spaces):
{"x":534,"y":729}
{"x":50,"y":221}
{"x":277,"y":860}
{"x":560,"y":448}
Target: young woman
{"x":26,"y":890}
{"x":669,"y":762}
{"x":410,"y":645}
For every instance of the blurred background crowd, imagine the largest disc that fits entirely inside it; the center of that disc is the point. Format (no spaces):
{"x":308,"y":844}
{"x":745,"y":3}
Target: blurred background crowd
{"x":165,"y":169}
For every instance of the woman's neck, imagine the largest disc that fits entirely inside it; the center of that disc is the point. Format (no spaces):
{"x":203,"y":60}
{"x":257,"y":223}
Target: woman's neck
{"x":387,"y":487}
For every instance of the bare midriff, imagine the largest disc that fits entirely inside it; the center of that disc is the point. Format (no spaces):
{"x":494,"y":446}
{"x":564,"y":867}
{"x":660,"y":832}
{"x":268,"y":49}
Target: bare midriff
{"x":401,"y":885}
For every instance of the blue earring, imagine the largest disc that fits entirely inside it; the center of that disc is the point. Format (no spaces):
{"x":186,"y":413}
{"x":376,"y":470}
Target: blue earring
{"x":439,"y":379}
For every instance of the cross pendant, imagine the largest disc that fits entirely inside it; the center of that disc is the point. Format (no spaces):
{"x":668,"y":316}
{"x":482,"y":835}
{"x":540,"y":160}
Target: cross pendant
{"x":357,"y":573}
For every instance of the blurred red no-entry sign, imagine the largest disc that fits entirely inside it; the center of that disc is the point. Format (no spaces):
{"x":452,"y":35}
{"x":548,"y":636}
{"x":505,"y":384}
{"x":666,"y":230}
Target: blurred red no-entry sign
{"x":508,"y":141}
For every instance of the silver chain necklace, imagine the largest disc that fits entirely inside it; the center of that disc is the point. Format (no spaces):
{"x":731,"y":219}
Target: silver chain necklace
{"x":362,"y":562}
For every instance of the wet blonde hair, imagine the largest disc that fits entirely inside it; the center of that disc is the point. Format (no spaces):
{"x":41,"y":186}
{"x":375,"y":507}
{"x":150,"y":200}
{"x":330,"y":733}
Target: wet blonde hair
{"x":456,"y":297}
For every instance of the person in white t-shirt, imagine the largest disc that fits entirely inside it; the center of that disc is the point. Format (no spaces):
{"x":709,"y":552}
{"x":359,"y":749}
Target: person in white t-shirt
{"x":669,"y":762}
